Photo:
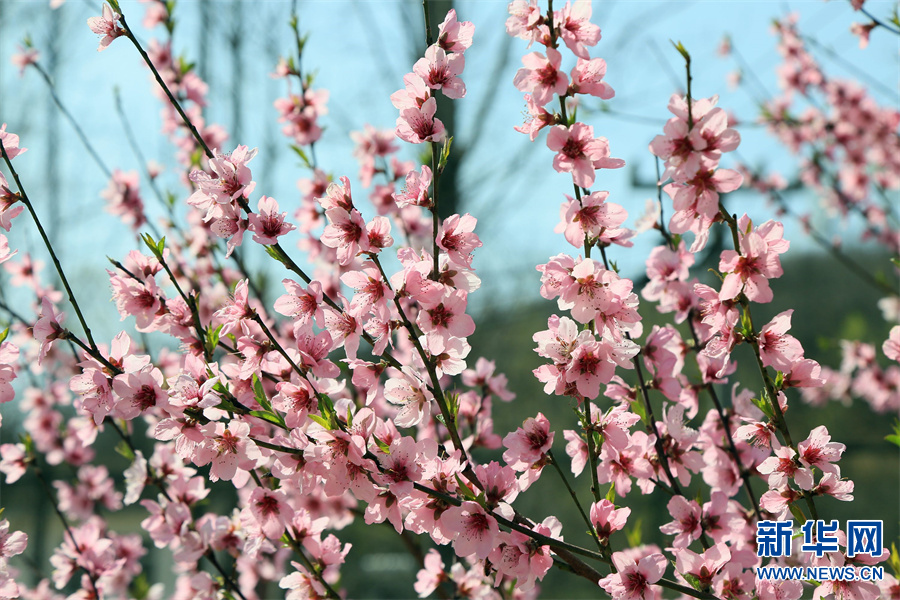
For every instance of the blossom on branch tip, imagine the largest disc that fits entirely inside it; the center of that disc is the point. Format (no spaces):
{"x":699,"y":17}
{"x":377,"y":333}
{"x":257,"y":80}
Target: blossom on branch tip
{"x":107,"y":25}
{"x":455,"y":35}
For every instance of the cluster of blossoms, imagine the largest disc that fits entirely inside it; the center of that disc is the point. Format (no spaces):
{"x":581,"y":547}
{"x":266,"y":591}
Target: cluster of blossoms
{"x":360,"y":400}
{"x":861,"y":376}
{"x":692,"y":146}
{"x":846,"y":141}
{"x":847,"y":148}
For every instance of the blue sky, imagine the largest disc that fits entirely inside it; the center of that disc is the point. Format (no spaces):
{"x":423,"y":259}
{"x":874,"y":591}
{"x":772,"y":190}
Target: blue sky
{"x":360,"y":51}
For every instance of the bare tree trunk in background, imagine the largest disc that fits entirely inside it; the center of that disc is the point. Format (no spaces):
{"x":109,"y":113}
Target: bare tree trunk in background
{"x":236,"y":42}
{"x":203,"y":53}
{"x":52,"y":123}
{"x":448,"y":192}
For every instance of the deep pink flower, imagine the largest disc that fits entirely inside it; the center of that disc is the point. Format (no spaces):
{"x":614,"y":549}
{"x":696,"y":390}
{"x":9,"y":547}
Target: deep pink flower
{"x":525,"y":21}
{"x":529,"y":443}
{"x":454,"y":35}
{"x":575,"y":27}
{"x":123,"y":198}
{"x":536,"y":119}
{"x":24,"y":57}
{"x":446,"y":317}
{"x":10,"y":208}
{"x":228,"y":180}
{"x":417,"y":124}
{"x":458,"y":238}
{"x":606,"y":518}
{"x":139,"y":392}
{"x":267,"y":511}
{"x":267,"y":224}
{"x":10,"y":146}
{"x":12,"y":461}
{"x":415,"y":192}
{"x":230,"y":451}
{"x":587,"y":78}
{"x":9,"y":354}
{"x":819,"y":451}
{"x":106,"y":25}
{"x":411,"y":394}
{"x":686,"y":526}
{"x":749,"y":272}
{"x":431,"y":574}
{"x":519,"y":558}
{"x":778,"y":349}
{"x":474,"y":530}
{"x":580,"y":153}
{"x":704,"y":567}
{"x":633,"y":579}
{"x":441,"y":71}
{"x":891,"y":346}
{"x":781,"y":467}
{"x":541,"y":76}
{"x":346,"y":231}
{"x":48,"y":327}
{"x":595,"y":218}
{"x":303,"y":305}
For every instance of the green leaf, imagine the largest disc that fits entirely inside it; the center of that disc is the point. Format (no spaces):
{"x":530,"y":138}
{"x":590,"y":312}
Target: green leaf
{"x":273,"y":252}
{"x":894,"y":560}
{"x":259,"y":394}
{"x":464,"y":489}
{"x":326,"y":406}
{"x":382,"y":445}
{"x":324,"y":423}
{"x":746,"y":324}
{"x":302,"y":154}
{"x":453,"y":405}
{"x":266,"y":417}
{"x":693,"y":580}
{"x":123,"y":449}
{"x":151,"y":243}
{"x":140,"y":587}
{"x":212,"y":338}
{"x":639,"y":410}
{"x":611,"y":493}
{"x":798,"y":514}
{"x":765,"y":407}
{"x":682,"y":50}
{"x":4,"y":335}
{"x":894,"y":438}
{"x":28,"y":442}
{"x":634,"y":535}
{"x":445,"y":154}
